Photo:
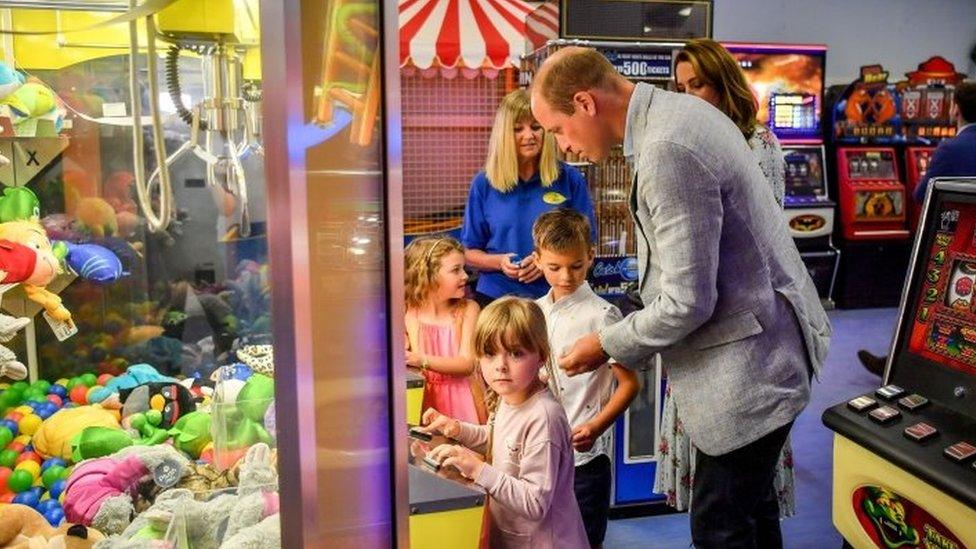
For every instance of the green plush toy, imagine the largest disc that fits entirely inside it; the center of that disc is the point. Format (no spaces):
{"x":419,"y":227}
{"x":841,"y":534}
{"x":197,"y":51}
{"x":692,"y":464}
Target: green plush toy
{"x":191,"y":433}
{"x":19,"y":204}
{"x":94,"y":442}
{"x":255,"y":397}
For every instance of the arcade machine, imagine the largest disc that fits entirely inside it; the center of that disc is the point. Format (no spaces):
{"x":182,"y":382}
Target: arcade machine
{"x":788,"y":81}
{"x":926,"y":107}
{"x":615,"y":267}
{"x":871,"y":194}
{"x":904,"y":469}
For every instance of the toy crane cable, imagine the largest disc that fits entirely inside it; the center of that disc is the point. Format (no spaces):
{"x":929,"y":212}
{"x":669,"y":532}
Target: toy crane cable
{"x":160,"y":221}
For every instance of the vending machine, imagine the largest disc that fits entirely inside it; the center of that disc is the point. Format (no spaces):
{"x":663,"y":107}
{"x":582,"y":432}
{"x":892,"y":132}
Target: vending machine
{"x":904,"y":456}
{"x":788,"y":82}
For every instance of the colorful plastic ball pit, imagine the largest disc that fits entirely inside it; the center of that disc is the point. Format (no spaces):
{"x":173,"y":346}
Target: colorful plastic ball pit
{"x":20,"y":481}
{"x":20,"y":443}
{"x":13,"y":415}
{"x":55,"y":399}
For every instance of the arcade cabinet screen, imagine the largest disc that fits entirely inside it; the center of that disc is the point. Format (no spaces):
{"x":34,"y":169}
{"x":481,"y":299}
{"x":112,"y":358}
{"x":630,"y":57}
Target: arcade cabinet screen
{"x":804,"y":172}
{"x":871,"y":164}
{"x":943,"y":328}
{"x":788,"y":83}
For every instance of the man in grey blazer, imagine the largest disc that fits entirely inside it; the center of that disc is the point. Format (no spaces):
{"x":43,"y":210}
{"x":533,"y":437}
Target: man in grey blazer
{"x":727,"y":301}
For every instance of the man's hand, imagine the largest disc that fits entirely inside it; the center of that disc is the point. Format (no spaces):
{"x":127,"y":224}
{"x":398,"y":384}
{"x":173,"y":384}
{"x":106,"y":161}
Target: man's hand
{"x":586,"y":355}
{"x":529,"y":272}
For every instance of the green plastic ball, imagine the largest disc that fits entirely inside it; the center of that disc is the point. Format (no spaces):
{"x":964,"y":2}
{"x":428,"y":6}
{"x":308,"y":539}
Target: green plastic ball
{"x":51,"y":475}
{"x":72,"y":382}
{"x":42,"y":385}
{"x":89,"y":379}
{"x":8,"y":457}
{"x":19,"y":481}
{"x":5,"y":436}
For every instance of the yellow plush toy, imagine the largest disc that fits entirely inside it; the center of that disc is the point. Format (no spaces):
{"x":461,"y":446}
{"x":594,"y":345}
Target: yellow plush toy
{"x":97,"y":216}
{"x":21,"y":527}
{"x":53,"y":439}
{"x":47,"y":267}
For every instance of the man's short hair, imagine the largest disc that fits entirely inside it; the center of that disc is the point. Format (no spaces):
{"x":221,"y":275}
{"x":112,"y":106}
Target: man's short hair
{"x":965,"y":99}
{"x":569,"y":71}
{"x":562,"y":230}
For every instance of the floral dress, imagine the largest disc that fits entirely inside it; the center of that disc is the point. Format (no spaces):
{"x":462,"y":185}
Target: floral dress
{"x":675,"y":454}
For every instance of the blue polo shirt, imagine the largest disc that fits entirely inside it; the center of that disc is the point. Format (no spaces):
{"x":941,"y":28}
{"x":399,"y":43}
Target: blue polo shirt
{"x":499,"y":223}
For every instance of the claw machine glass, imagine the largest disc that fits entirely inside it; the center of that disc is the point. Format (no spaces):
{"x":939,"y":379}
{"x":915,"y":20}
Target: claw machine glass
{"x":199,"y":298}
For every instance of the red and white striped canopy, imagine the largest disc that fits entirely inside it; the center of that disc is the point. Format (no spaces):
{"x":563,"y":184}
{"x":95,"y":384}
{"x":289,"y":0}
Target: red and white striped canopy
{"x":472,"y":34}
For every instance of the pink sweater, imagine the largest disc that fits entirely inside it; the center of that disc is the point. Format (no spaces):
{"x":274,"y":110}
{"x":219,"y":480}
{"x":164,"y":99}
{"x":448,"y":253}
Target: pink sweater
{"x":530,"y":478}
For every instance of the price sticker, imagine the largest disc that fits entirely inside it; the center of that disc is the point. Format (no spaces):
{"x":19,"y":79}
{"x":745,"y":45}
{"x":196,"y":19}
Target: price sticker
{"x":62,"y":329}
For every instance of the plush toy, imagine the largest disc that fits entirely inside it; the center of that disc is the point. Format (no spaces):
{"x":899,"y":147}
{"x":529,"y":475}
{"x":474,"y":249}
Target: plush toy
{"x":260,"y":358}
{"x":41,"y":271}
{"x":135,"y":375}
{"x":9,"y":366}
{"x":22,"y":527}
{"x":221,"y":519}
{"x":93,"y":262}
{"x":96,"y":442}
{"x":56,"y":433}
{"x":19,"y":204}
{"x":191,"y":433}
{"x":96,"y":216}
{"x":117,"y":191}
{"x":171,"y":400}
{"x":99,"y":492}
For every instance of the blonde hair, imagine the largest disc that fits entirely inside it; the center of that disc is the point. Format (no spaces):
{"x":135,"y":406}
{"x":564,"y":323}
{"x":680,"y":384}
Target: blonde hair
{"x":422,"y":260}
{"x":511,"y":323}
{"x":715,"y":66}
{"x":501,"y":166}
{"x":562,"y":230}
{"x":572,"y":70}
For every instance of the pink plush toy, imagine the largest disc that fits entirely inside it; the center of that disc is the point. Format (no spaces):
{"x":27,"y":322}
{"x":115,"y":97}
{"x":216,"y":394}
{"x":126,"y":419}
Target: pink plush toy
{"x":96,"y":480}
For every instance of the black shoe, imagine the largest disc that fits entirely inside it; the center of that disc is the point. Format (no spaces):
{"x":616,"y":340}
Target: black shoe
{"x":872,"y":363}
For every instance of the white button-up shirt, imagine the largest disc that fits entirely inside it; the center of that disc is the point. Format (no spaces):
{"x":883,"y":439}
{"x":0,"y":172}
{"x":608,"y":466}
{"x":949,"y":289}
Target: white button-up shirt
{"x":583,"y":395}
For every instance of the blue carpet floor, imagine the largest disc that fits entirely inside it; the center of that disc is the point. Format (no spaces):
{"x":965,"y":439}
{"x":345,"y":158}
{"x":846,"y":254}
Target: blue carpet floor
{"x":842,"y":378}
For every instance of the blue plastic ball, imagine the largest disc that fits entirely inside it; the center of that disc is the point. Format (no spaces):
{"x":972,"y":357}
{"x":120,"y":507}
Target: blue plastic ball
{"x":52,"y":461}
{"x":46,"y":505}
{"x":55,"y":516}
{"x":57,"y":488}
{"x":46,"y":411}
{"x":58,"y":390}
{"x":12,"y":425}
{"x":27,"y":497}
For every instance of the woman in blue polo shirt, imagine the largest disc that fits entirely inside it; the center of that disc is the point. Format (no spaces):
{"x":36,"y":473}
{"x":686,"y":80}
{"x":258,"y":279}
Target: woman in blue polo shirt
{"x":522,"y":179}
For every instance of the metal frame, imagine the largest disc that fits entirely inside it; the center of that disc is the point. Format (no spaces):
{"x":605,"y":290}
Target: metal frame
{"x":289,"y":247}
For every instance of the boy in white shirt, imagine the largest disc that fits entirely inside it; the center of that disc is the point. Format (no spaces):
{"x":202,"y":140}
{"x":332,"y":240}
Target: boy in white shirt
{"x":564,"y":253}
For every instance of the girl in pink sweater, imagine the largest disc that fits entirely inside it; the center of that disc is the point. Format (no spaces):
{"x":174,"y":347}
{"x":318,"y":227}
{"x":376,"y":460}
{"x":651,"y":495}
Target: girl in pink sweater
{"x":529,"y":470}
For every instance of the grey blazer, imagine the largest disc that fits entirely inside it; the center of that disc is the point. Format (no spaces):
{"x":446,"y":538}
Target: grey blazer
{"x":727,"y":301}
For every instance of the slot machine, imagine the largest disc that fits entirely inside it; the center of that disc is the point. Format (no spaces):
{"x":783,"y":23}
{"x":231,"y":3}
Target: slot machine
{"x":809,"y":212}
{"x":788,"y":82}
{"x":872,"y":197}
{"x":615,"y":267}
{"x":926,"y":112}
{"x":904,"y":456}
{"x":916,"y":163}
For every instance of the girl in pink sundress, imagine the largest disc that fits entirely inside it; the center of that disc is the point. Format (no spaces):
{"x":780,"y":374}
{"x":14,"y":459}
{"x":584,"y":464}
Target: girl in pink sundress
{"x":440,"y":328}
